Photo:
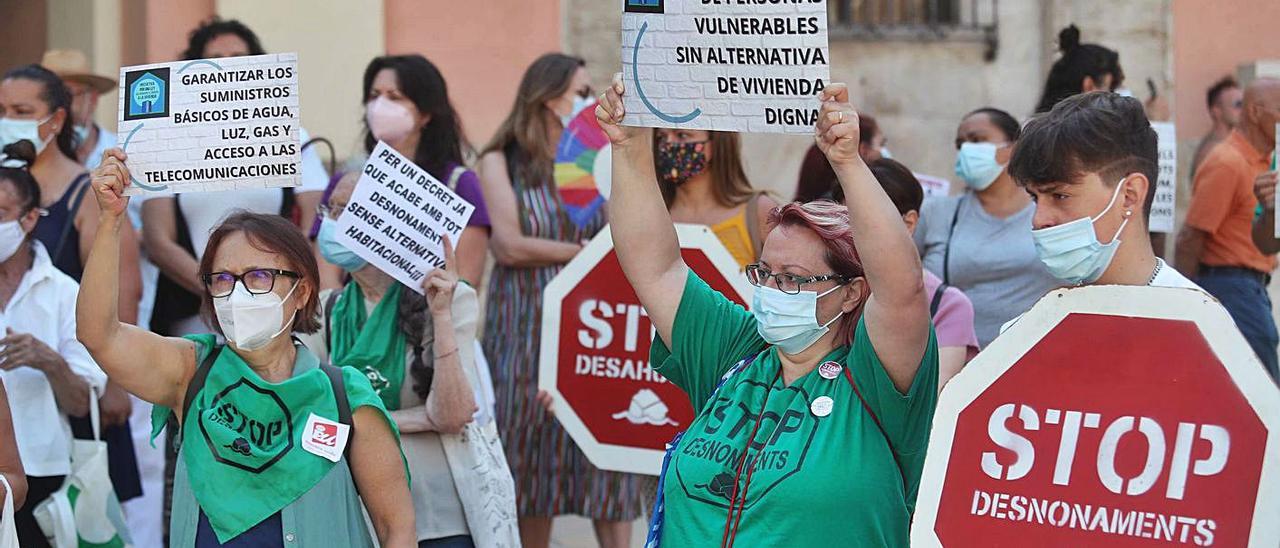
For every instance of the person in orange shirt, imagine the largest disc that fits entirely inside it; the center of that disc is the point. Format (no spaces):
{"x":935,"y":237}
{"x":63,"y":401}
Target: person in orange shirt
{"x":1216,"y":246}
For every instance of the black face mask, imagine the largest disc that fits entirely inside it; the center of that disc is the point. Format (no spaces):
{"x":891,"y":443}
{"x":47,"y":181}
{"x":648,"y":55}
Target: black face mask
{"x":679,"y":162}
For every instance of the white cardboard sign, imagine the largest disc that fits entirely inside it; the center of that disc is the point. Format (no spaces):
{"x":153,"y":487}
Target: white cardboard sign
{"x":397,"y":215}
{"x":725,"y":65}
{"x":211,"y":124}
{"x":1166,"y":198}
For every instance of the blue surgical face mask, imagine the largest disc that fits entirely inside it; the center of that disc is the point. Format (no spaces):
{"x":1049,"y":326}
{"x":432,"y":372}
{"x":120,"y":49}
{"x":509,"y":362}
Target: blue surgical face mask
{"x":12,"y":131}
{"x":789,"y":322}
{"x":1072,"y":251}
{"x":976,"y":165}
{"x":334,"y":252}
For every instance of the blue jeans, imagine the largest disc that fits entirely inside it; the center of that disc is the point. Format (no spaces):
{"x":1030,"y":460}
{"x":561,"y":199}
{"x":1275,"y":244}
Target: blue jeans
{"x":1246,"y":299}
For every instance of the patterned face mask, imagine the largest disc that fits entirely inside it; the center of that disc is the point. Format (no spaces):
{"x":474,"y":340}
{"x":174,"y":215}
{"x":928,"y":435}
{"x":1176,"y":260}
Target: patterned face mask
{"x":679,"y":162}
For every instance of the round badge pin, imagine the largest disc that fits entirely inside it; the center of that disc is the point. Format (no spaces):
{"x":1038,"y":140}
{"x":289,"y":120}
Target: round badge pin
{"x":830,"y":370}
{"x":821,"y":406}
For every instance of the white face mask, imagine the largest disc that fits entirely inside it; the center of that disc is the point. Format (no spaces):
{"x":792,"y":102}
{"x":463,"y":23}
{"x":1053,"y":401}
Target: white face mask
{"x":790,"y":322}
{"x":12,"y":131}
{"x":11,"y":238}
{"x":251,"y":321}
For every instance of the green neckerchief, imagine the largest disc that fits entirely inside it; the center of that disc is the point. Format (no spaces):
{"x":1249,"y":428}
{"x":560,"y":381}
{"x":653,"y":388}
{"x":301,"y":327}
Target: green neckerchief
{"x":242,"y":442}
{"x":373,"y":345}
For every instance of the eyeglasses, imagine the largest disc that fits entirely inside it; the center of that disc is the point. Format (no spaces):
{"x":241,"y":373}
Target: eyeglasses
{"x":759,"y":275}
{"x":257,"y":281}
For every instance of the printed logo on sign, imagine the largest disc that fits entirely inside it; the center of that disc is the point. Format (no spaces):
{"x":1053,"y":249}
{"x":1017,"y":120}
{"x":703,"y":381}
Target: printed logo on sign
{"x":645,"y":6}
{"x":146,"y":94}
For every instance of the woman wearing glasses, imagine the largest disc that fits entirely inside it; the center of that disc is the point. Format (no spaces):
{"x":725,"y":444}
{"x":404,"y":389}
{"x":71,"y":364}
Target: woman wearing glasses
{"x":819,"y":398}
{"x":267,"y":431}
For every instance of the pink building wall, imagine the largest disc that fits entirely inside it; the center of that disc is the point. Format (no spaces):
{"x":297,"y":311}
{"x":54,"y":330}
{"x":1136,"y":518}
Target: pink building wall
{"x":1210,"y":39}
{"x":481,"y":46}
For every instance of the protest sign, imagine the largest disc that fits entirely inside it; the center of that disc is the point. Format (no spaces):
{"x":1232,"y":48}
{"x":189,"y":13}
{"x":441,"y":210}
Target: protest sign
{"x":1166,"y":198}
{"x":1107,"y":416}
{"x":725,"y":65}
{"x":933,"y":186}
{"x":595,"y":352}
{"x":211,"y":124}
{"x":397,"y":215}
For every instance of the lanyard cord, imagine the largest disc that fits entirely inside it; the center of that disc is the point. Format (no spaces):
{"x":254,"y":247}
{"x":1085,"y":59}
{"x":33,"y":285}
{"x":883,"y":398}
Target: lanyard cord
{"x":730,"y":522}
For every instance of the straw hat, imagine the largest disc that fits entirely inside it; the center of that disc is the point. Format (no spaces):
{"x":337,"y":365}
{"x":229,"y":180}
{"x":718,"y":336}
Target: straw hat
{"x":72,"y":65}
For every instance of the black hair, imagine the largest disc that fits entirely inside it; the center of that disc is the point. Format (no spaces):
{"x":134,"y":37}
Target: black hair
{"x":15,"y":167}
{"x":441,"y":141}
{"x":1006,"y":122}
{"x":1226,"y":83}
{"x":899,"y":183}
{"x":214,"y":27}
{"x":1098,"y":132}
{"x":55,"y":95}
{"x":1078,"y":61}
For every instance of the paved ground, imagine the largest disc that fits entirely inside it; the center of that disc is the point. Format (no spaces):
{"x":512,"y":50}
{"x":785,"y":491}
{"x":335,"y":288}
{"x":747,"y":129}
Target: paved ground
{"x":575,"y":532}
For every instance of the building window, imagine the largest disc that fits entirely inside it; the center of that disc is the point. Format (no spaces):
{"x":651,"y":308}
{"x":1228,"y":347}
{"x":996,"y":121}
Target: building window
{"x":918,"y":20}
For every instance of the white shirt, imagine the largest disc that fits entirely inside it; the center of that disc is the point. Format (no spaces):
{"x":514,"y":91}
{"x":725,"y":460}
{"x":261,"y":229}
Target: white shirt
{"x":1166,"y":276}
{"x":205,"y":210}
{"x":45,"y":307}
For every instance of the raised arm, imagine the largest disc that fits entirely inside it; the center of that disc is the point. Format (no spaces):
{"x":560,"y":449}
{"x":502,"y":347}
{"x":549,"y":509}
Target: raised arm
{"x":451,"y":404}
{"x":130,"y":277}
{"x":644,"y":236}
{"x":511,"y":247}
{"x":152,"y":367}
{"x":897,"y":313}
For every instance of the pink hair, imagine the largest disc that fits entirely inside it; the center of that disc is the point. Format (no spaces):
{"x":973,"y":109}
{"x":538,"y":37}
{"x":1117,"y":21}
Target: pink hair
{"x":830,"y":221}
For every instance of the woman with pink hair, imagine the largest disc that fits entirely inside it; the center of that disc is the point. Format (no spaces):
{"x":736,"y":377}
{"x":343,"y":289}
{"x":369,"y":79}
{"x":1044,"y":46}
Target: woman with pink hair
{"x":814,"y":408}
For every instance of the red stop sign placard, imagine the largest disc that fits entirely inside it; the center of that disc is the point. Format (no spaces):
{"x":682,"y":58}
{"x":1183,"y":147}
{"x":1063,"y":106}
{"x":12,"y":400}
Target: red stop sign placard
{"x":595,"y":353}
{"x":1106,"y":416}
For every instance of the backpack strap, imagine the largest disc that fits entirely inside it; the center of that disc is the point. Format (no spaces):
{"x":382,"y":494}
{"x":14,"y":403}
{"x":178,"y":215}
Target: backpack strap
{"x":849,"y":376}
{"x":937,"y":300}
{"x":79,"y":187}
{"x":328,"y":317}
{"x":951,"y":231}
{"x":194,"y":386}
{"x":339,"y":385}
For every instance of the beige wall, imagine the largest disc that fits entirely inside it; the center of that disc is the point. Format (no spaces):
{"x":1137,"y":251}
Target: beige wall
{"x":334,"y":41}
{"x":481,"y":46}
{"x":918,"y":91}
{"x":23,"y":30}
{"x":1210,"y":40}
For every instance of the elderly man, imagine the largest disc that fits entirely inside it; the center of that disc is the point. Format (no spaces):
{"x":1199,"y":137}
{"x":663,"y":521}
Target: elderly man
{"x":86,"y":88}
{"x":1216,"y":245}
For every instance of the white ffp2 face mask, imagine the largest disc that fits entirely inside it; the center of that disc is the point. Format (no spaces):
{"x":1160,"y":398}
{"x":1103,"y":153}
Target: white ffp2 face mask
{"x":251,"y":321}
{"x":11,"y":238}
{"x":790,"y":322}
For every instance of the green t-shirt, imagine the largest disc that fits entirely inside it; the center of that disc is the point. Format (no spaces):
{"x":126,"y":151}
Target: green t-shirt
{"x":818,"y":481}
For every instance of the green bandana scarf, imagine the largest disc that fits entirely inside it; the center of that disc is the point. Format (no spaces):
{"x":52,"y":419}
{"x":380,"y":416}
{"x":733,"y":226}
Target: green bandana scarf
{"x":242,"y":442}
{"x":373,"y":345}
